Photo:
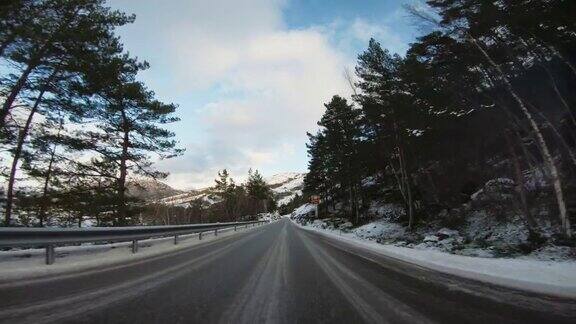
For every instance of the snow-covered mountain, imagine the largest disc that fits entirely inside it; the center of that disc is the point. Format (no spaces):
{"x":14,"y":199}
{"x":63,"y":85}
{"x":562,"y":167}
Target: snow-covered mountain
{"x":284,"y":185}
{"x":206,"y":196}
{"x":147,"y":189}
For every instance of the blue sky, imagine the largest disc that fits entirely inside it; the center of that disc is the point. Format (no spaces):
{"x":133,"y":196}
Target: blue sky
{"x":251,"y":76}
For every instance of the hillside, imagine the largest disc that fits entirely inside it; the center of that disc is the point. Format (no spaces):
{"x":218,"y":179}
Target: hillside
{"x":284,"y":185}
{"x":150,"y":189}
{"x":205,"y":195}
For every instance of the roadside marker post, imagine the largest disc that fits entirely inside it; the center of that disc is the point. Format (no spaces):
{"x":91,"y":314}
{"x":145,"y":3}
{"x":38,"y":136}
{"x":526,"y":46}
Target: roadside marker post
{"x":50,"y":254}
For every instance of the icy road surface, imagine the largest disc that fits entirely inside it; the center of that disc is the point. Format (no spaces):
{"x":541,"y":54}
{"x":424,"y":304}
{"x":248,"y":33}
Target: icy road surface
{"x":277,"y":273}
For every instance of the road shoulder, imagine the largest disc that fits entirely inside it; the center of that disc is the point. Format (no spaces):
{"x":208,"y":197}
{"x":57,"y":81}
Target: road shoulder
{"x":541,"y":277}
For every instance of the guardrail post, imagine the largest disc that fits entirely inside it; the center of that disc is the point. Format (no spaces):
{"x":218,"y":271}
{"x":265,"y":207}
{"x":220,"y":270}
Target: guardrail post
{"x":200,"y":235}
{"x":175,"y":239}
{"x":216,"y":232}
{"x":49,"y":254}
{"x":134,"y":246}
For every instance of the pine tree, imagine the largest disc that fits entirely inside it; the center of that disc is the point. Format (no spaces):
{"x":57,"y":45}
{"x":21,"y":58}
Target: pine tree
{"x":502,"y":68}
{"x":61,"y":30}
{"x":386,"y":116}
{"x":258,"y":190}
{"x":334,"y":152}
{"x":130,"y":127}
{"x":57,"y":57}
{"x":229,"y":192}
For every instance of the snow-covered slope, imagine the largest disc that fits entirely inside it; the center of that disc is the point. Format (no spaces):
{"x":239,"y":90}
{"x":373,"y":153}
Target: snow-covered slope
{"x":150,"y":189}
{"x":283,"y":177}
{"x":206,"y":196}
{"x":286,"y":185}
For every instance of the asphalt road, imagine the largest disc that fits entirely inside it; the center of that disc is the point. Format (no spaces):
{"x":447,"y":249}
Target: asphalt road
{"x":277,"y":273}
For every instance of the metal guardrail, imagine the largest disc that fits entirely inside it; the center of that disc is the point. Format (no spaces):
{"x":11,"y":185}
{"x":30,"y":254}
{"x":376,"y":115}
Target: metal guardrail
{"x":49,"y":238}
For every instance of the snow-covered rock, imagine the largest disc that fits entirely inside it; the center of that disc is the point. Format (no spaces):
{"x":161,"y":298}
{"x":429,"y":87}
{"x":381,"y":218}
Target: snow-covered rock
{"x":444,"y":233}
{"x":302,"y":211}
{"x":286,"y":186}
{"x":480,"y":225}
{"x":500,"y":189}
{"x":380,"y":230}
{"x":387,"y":211}
{"x":431,"y":238}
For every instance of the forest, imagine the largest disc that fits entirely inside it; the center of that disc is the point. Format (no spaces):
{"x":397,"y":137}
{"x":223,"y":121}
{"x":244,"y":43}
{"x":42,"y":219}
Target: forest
{"x":75,"y":121}
{"x":225,"y":201}
{"x":79,"y":130}
{"x":478,"y":115}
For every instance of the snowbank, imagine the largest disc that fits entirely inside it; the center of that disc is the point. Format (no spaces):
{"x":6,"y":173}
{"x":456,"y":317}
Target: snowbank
{"x":548,"y":277}
{"x":303,"y":211}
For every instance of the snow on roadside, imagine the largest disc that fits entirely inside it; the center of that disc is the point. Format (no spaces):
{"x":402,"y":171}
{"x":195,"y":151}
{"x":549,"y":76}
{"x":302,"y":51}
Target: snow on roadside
{"x":547,"y":277}
{"x":29,"y":263}
{"x":303,"y":210}
{"x":379,"y":229}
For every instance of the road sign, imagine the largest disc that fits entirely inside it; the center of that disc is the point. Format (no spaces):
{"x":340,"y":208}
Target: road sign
{"x":315,"y":199}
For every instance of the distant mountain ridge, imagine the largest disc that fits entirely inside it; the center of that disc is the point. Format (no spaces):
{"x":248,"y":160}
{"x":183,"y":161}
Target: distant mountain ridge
{"x":205,"y":195}
{"x":147,"y":189}
{"x":285,"y":186}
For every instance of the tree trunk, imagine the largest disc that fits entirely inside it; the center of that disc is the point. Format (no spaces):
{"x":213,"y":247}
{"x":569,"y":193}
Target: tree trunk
{"x":563,"y":59}
{"x":435,"y":194}
{"x":351,"y":197}
{"x":407,"y":187}
{"x":7,"y":105}
{"x":410,"y":206}
{"x":122,"y":213}
{"x":556,"y":132}
{"x":532,"y":226}
{"x":554,"y":86}
{"x":44,"y":199}
{"x":547,"y":156}
{"x":16,"y":157}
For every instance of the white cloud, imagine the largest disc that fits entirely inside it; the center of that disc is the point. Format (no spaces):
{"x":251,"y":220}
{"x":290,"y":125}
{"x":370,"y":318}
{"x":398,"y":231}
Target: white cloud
{"x":363,"y":31}
{"x":283,"y":76}
{"x":278,"y":80}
